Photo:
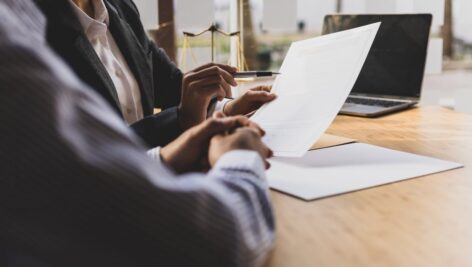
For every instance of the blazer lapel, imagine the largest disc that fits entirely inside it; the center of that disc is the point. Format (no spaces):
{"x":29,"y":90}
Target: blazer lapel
{"x":91,"y":65}
{"x":88,"y":54}
{"x":135,"y":55}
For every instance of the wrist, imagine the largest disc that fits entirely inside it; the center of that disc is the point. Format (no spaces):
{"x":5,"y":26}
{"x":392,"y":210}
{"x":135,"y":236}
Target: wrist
{"x":163,"y":157}
{"x":155,"y":154}
{"x":241,"y":160}
{"x":168,"y":158}
{"x":227,"y":107}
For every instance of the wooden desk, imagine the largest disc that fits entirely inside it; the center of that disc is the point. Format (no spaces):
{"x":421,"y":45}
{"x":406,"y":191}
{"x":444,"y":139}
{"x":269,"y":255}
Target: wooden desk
{"x":420,"y":222}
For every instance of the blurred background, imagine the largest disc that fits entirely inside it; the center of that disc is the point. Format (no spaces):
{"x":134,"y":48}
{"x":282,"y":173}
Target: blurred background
{"x":268,"y":27}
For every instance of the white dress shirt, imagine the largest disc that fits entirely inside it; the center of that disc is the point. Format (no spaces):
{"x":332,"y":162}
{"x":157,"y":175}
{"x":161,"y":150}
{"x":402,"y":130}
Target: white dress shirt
{"x":98,"y":34}
{"x":129,"y":95}
{"x":85,"y":193}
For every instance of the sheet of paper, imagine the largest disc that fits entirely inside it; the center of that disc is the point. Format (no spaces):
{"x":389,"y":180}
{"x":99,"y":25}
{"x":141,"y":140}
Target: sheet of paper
{"x":328,"y":140}
{"x":316,"y":78}
{"x":333,"y":171}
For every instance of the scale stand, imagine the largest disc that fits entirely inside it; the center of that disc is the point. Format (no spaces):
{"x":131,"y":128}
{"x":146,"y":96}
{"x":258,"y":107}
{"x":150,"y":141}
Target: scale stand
{"x":213,"y":29}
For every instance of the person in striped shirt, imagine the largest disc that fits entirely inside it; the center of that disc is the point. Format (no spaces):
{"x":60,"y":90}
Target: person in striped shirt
{"x":77,"y":188}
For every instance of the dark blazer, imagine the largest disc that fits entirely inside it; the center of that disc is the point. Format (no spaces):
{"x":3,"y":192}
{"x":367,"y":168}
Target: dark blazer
{"x":158,"y":78}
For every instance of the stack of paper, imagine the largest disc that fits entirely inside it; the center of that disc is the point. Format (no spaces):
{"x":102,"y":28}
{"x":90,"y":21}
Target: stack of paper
{"x":336,"y":170}
{"x":317,"y":76}
{"x":328,"y":140}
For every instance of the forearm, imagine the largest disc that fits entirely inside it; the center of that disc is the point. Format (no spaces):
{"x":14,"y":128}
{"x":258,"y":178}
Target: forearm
{"x":93,"y":192}
{"x":243,"y":173}
{"x":227,"y":212}
{"x":220,"y":105}
{"x":235,"y":199}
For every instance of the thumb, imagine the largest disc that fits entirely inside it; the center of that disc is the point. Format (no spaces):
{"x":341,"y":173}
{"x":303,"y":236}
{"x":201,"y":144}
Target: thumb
{"x":265,"y":88}
{"x":218,"y":115}
{"x":214,"y":126}
{"x":260,"y":96}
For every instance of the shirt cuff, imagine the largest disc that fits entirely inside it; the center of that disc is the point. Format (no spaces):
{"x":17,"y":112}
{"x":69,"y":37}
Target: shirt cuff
{"x":155,"y":154}
{"x":243,"y":161}
{"x":220,"y":105}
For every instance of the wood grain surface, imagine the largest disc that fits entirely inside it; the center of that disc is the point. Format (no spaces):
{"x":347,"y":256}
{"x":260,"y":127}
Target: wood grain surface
{"x":421,"y":222}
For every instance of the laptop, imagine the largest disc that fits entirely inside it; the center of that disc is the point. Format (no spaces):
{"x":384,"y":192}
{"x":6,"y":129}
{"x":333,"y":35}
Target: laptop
{"x":392,"y":76}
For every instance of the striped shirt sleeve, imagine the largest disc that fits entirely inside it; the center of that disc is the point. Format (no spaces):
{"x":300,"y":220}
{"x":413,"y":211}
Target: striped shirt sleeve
{"x":77,"y":188}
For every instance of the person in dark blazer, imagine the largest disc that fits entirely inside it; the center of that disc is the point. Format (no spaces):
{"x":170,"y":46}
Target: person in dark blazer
{"x":105,"y":43}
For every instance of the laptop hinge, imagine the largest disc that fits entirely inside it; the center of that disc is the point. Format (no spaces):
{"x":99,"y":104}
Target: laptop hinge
{"x":388,"y":98}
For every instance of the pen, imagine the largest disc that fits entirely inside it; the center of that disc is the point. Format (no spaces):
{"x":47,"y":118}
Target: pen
{"x":250,"y":74}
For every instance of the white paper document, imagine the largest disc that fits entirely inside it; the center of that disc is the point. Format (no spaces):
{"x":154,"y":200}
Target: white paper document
{"x":317,"y":76}
{"x":337,"y":170}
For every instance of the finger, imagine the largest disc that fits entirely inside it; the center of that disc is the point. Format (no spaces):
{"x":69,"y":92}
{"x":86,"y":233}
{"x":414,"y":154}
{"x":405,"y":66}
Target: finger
{"x":239,"y":121}
{"x":259,"y":96}
{"x":209,"y":81}
{"x":219,"y":115}
{"x":228,"y":68}
{"x":193,"y":79}
{"x":210,"y":71}
{"x":205,"y":66}
{"x":267,"y":88}
{"x":262,"y":88}
{"x":228,"y":76}
{"x":213,"y":70}
{"x":220,"y":125}
{"x":251,"y":113}
{"x":267,"y":153}
{"x":226,"y":89}
{"x":221,"y":93}
{"x":212,"y":127}
{"x":255,"y":130}
{"x":244,"y":122}
{"x":209,"y":91}
{"x":209,"y":76}
{"x":256,"y":126}
{"x":267,"y":164}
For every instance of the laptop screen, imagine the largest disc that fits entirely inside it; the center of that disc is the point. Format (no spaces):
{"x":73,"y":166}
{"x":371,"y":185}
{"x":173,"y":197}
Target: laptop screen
{"x":395,"y":65}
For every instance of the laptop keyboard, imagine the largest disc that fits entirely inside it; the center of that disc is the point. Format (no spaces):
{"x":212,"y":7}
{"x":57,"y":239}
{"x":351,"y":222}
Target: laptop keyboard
{"x":373,"y":102}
